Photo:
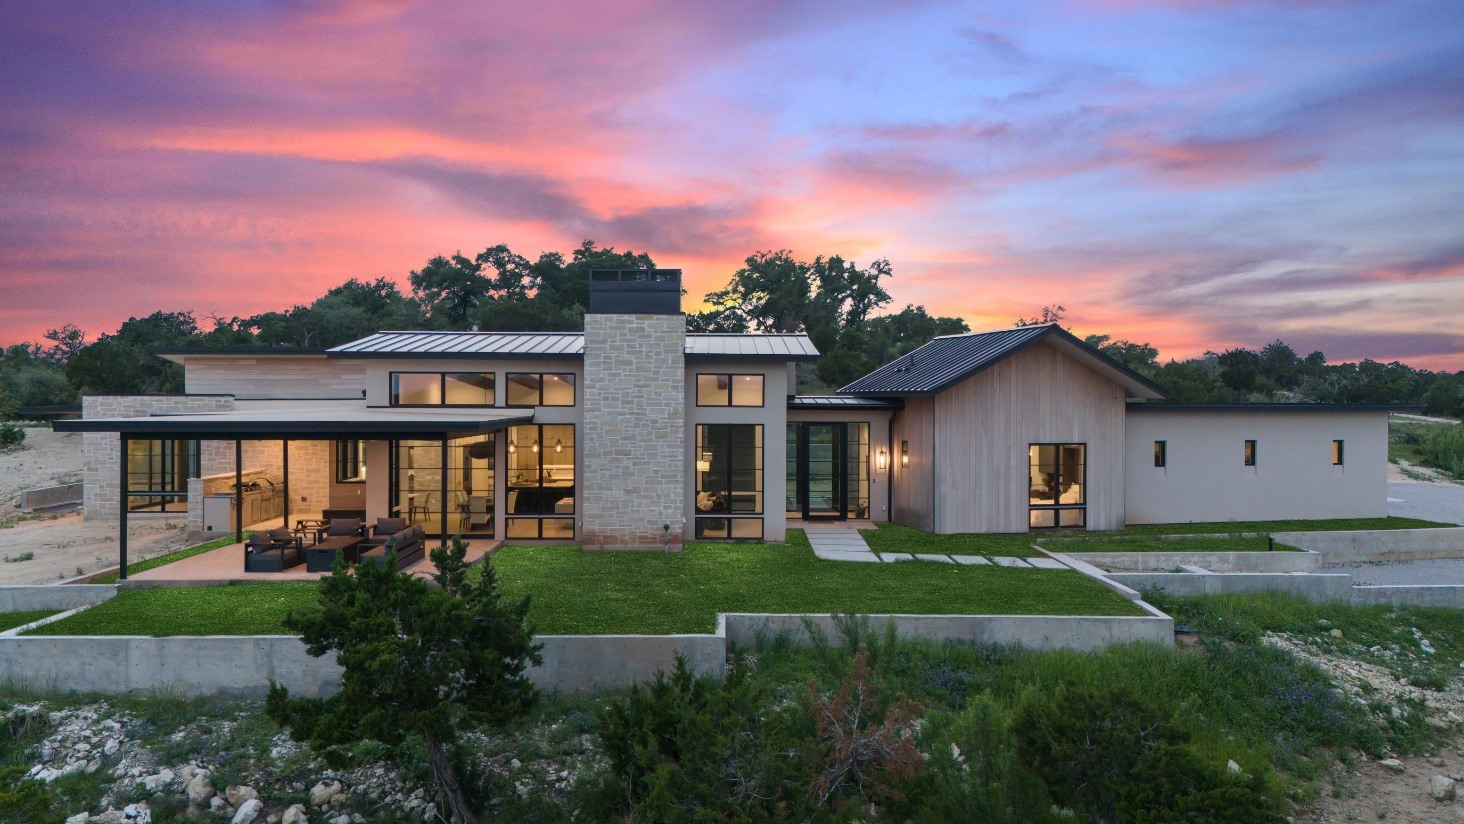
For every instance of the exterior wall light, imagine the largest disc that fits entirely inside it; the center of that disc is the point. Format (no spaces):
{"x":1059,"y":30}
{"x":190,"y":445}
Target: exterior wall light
{"x":881,"y":459}
{"x":904,"y":453}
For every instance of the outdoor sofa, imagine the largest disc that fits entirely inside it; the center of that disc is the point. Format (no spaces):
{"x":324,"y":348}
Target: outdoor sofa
{"x":394,"y":534}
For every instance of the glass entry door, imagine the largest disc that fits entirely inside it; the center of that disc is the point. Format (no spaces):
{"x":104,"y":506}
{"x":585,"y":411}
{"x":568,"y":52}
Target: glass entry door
{"x":822,"y":470}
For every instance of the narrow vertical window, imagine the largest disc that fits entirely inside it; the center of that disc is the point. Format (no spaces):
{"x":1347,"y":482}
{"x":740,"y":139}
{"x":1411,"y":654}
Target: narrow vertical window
{"x":1250,"y":453}
{"x":1337,"y":453}
{"x":1161,"y":454}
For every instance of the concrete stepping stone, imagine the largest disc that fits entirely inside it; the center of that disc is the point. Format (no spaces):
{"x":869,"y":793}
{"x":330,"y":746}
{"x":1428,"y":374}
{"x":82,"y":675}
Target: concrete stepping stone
{"x":940,"y":559}
{"x":970,"y":560}
{"x":1002,"y":560}
{"x":1047,"y":563}
{"x":846,"y":555}
{"x":891,"y":557}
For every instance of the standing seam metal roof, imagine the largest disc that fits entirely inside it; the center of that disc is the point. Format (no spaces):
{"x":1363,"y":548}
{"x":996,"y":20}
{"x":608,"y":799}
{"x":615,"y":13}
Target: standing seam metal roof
{"x":563,"y":345}
{"x":948,"y":360}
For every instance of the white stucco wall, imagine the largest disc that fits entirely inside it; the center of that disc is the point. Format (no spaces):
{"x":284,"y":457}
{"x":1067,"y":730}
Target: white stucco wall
{"x":1206,"y":478}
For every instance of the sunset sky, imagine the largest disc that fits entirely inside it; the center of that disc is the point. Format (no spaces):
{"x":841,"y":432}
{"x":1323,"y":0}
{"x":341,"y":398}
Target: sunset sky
{"x":1199,"y":174}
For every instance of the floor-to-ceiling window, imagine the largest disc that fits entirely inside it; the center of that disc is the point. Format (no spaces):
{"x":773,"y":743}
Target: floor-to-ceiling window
{"x":729,"y":481}
{"x":540,"y":500}
{"x":828,"y":470}
{"x":158,"y":473}
{"x":1057,"y":485}
{"x":416,"y":485}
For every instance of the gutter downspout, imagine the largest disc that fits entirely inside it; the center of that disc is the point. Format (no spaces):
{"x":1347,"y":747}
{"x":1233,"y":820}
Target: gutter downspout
{"x":890,"y":469}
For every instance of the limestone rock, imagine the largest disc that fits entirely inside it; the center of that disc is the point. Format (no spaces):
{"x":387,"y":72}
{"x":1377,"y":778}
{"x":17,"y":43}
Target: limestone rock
{"x":238,"y":795}
{"x":138,"y":813}
{"x":217,"y":805}
{"x":79,"y":818}
{"x":200,"y":789}
{"x":1441,"y":787}
{"x":323,"y":792}
{"x":1393,"y":764}
{"x":158,"y":781}
{"x":247,"y":812}
{"x":1232,"y":766}
{"x":295,"y":815}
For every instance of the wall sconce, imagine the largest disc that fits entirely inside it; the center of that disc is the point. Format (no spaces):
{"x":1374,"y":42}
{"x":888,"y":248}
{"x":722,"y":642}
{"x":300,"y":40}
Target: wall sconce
{"x":512,"y":447}
{"x":881,"y":459}
{"x":535,"y":447}
{"x":559,"y":445}
{"x":904,"y":453}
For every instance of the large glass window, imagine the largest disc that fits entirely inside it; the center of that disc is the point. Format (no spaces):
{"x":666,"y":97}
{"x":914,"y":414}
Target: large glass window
{"x":729,"y":480}
{"x":158,"y":473}
{"x":442,"y":389}
{"x":416,"y":485}
{"x":857,"y":470}
{"x":541,"y":482}
{"x":540,"y":389}
{"x":350,"y":462}
{"x":729,"y":390}
{"x":1057,"y":485}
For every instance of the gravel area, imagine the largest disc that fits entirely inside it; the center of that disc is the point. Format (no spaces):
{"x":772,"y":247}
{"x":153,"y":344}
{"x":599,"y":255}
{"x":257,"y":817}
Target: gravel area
{"x":1446,"y":571}
{"x":1430,"y":501}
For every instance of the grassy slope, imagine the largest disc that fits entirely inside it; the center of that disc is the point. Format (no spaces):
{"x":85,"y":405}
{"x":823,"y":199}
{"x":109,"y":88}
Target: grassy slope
{"x":245,"y":609}
{"x":1120,"y":544}
{"x":1295,"y":525}
{"x":11,"y":620}
{"x":896,"y":538}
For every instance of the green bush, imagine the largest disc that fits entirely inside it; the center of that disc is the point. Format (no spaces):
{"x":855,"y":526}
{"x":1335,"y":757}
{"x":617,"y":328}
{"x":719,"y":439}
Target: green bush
{"x":1443,"y":448}
{"x":11,"y":434}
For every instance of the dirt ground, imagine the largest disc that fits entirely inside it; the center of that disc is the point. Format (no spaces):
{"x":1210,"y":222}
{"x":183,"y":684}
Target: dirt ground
{"x":64,"y":546}
{"x":1368,"y":791}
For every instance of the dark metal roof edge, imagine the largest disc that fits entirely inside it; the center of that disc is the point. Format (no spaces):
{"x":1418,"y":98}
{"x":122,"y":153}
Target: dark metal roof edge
{"x":214,"y":430}
{"x":456,"y":355}
{"x":884,"y":402}
{"x":766,"y":356}
{"x":1152,"y":406}
{"x":237,"y":350}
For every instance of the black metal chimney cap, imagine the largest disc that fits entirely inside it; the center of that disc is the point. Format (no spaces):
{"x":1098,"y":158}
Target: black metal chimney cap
{"x":635,"y":292}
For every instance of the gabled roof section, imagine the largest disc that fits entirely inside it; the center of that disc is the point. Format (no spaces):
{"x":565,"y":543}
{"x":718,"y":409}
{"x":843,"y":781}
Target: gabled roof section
{"x":948,"y":360}
{"x":561,"y":345}
{"x":842,"y":402}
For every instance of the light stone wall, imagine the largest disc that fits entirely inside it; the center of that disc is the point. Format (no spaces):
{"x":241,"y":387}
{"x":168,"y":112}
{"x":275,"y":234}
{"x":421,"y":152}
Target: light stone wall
{"x":632,"y":480}
{"x":101,"y":451}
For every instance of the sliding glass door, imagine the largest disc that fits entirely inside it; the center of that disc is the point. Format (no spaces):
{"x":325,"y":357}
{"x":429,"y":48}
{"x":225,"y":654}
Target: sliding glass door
{"x":416,"y":485}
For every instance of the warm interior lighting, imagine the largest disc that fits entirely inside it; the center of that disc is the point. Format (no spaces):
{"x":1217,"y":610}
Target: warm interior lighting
{"x":512,"y":447}
{"x":881,"y":459}
{"x":559,"y":445}
{"x":535,"y":447}
{"x":704,"y":464}
{"x":904,"y":453}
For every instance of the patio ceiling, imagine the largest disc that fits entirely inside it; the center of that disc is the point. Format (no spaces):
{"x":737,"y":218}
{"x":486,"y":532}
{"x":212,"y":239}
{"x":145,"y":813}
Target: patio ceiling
{"x":317,"y":422}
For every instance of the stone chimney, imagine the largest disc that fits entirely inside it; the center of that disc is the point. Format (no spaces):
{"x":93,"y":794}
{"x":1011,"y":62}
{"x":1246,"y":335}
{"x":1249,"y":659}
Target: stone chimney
{"x":633,"y":484}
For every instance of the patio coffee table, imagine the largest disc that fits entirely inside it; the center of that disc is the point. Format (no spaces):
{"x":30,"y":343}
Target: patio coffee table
{"x":321,"y":557}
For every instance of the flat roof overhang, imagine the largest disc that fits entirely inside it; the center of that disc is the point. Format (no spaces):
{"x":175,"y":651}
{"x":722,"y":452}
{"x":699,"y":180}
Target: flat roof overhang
{"x":1274,"y":407}
{"x":307,"y":424}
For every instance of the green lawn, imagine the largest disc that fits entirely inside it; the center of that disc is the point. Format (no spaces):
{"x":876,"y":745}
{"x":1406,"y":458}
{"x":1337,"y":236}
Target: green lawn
{"x":1331,"y":525}
{"x":1140,"y":544}
{"x":243,"y":609}
{"x":896,"y":538}
{"x":154,"y":563}
{"x":11,"y":620}
{"x":576,"y":592}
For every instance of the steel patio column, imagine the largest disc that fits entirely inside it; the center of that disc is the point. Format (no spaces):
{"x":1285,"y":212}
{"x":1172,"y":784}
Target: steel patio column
{"x":122,"y":514}
{"x":285,"y":445}
{"x":238,"y":491}
{"x":444,"y":490}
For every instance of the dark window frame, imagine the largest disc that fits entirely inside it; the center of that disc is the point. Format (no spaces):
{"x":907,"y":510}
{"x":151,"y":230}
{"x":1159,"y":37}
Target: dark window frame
{"x":573,"y":387}
{"x":1248,"y":452}
{"x":393,"y":394}
{"x":1057,"y":508}
{"x":510,"y":517}
{"x":762,"y":395}
{"x":162,"y":489}
{"x":1161,"y":454}
{"x":1339,"y":451}
{"x":760,"y":485}
{"x":343,"y":459}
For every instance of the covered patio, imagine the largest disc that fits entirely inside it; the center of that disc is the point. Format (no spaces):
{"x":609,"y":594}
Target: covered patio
{"x":288,"y":542}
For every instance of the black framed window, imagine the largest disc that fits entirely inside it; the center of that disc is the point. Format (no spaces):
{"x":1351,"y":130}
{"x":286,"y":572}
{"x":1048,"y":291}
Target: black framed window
{"x":442,"y":389}
{"x":540,"y":388}
{"x":541,"y":482}
{"x":1250,"y":453}
{"x":1057,"y":485}
{"x":350,"y":462}
{"x":158,"y":473}
{"x":1161,"y":454}
{"x":729,"y":481}
{"x":729,"y":390}
{"x":1337,"y":452}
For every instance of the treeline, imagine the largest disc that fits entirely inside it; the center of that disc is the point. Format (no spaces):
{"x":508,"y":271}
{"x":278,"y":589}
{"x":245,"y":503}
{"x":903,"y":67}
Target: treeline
{"x":843,"y":307}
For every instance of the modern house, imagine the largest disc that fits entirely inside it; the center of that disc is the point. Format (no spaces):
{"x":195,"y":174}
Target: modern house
{"x":638,"y":434}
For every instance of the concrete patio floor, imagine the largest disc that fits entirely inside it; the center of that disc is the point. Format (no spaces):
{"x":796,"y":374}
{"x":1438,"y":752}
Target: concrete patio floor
{"x":226,"y":565}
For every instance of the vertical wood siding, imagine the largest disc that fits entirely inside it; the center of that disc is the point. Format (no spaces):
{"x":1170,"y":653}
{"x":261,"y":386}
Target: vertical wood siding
{"x":984,"y":425}
{"x":914,"y":489}
{"x":275,"y":376}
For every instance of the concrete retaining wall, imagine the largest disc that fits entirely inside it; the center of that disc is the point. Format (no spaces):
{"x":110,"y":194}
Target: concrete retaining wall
{"x":1308,"y":587}
{"x":587,"y":663}
{"x":1085,"y":634}
{"x":50,"y":496}
{"x":1421,"y":596}
{"x":1286,"y":561}
{"x":53,"y":596}
{"x":1379,"y":545}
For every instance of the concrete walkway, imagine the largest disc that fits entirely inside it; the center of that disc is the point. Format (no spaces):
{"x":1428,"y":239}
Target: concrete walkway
{"x":835,"y":541}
